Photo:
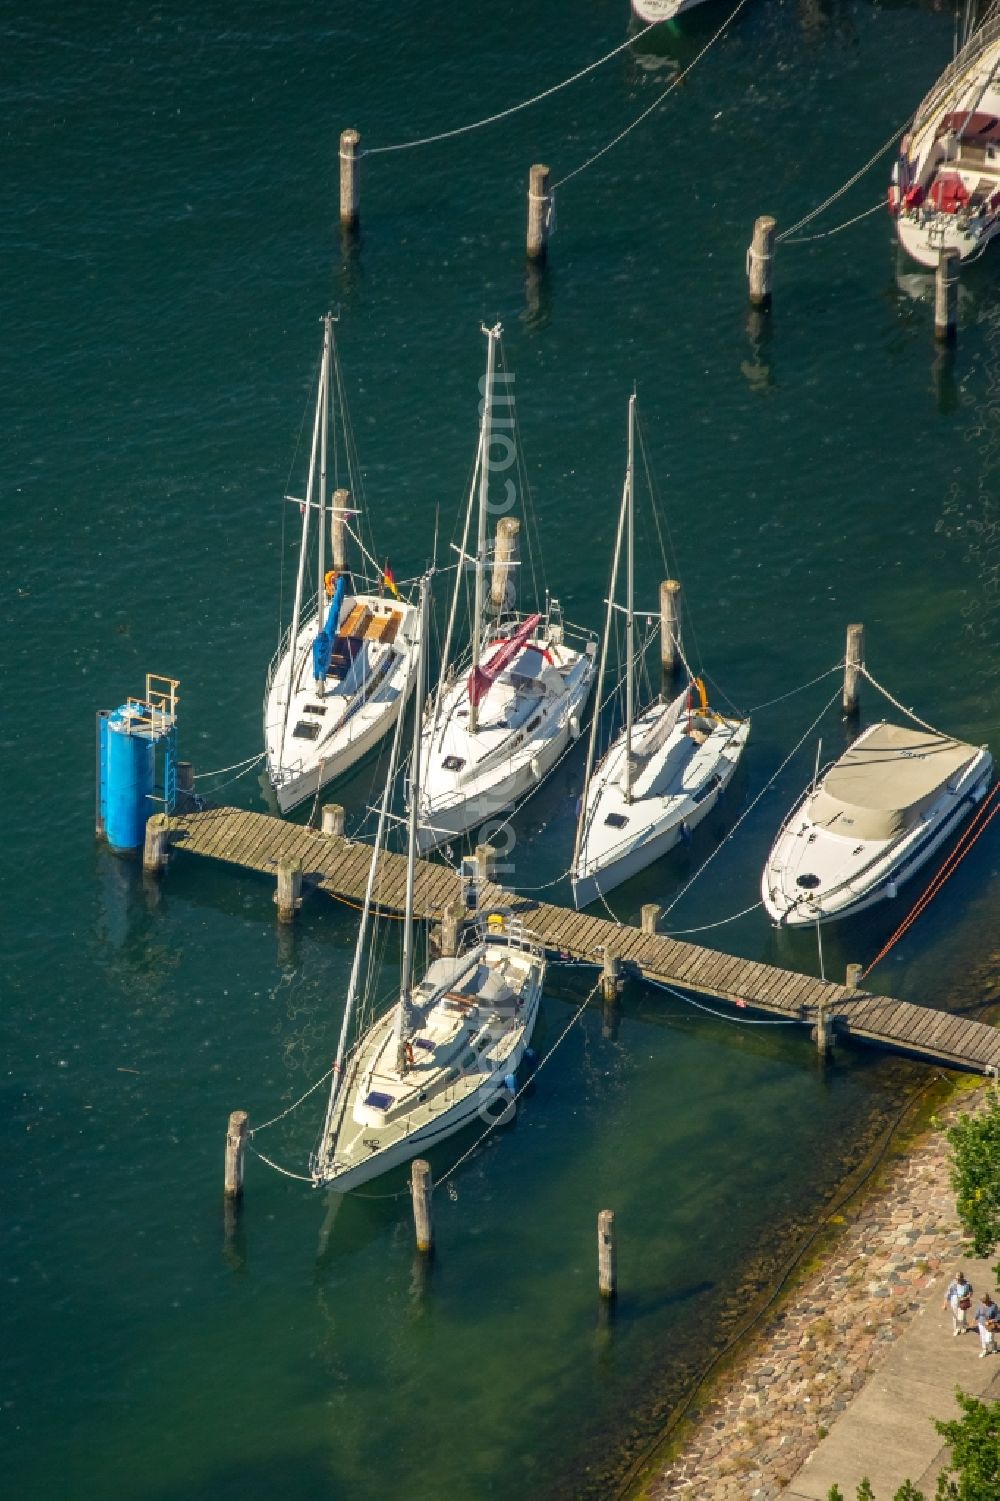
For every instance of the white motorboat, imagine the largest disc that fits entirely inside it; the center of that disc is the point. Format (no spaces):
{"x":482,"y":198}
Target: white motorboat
{"x":504,"y":713}
{"x":870,"y":822}
{"x":445,"y":1055}
{"x":342,"y":672}
{"x":945,"y":190}
{"x":668,"y":767}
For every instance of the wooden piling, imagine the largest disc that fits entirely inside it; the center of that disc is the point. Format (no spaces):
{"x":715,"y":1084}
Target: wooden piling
{"x":350,"y":179}
{"x":503,"y":586}
{"x":338,"y":528}
{"x":236,"y":1142}
{"x":650,"y":917}
{"x":670,"y":628}
{"x":452,"y":922}
{"x":333,"y":820}
{"x":946,"y":296}
{"x":611,"y":982}
{"x":823,"y":1032}
{"x":539,"y":212}
{"x":607,"y":1254}
{"x":485,"y":862}
{"x":854,"y":660}
{"x":422,"y":1189}
{"x":185,"y":777}
{"x":760,"y":261}
{"x":156,"y":846}
{"x":853,"y":979}
{"x":288,"y":896}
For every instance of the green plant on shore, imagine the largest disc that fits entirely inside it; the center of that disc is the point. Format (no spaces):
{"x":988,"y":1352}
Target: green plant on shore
{"x":975,"y":1174}
{"x":973,"y":1470}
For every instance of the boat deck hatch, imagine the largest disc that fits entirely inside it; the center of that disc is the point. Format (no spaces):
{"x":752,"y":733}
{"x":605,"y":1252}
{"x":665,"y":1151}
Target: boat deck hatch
{"x":376,"y":1100}
{"x":453,"y":763}
{"x":305,"y":731}
{"x":616,"y":820}
{"x":314,"y":709}
{"x":809,"y":881}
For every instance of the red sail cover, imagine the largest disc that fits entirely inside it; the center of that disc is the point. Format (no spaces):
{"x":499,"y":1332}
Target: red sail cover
{"x":483,"y":678}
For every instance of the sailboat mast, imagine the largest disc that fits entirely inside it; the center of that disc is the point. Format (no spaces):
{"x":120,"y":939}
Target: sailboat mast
{"x":630,"y":603}
{"x":323,"y":438}
{"x":406,"y":978}
{"x":300,"y":576}
{"x":492,"y":335}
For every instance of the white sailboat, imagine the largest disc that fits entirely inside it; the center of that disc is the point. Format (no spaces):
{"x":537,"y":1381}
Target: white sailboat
{"x":502,"y":715}
{"x":342,"y":672}
{"x":443,"y":1056}
{"x":665,"y":771}
{"x":870,"y":821}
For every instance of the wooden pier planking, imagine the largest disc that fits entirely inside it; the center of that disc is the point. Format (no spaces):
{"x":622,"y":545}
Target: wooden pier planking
{"x":339,"y":866}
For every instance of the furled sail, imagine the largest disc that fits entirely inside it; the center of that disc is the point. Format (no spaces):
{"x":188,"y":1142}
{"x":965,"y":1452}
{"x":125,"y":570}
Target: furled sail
{"x":485,"y":676}
{"x":323,"y":644}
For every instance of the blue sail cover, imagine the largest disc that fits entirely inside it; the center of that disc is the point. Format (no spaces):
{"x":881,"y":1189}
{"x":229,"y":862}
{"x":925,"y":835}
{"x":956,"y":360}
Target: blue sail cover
{"x":323,"y":645}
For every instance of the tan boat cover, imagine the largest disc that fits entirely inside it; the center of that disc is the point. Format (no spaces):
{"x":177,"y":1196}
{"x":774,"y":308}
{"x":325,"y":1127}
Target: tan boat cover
{"x":881,"y":785}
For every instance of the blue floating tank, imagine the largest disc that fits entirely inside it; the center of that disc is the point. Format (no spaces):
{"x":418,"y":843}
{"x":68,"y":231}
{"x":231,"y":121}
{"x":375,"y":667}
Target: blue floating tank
{"x":127,"y":742}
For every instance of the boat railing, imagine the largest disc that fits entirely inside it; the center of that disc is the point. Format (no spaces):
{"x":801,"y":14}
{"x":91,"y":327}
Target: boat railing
{"x":500,"y":925}
{"x":977,"y":44}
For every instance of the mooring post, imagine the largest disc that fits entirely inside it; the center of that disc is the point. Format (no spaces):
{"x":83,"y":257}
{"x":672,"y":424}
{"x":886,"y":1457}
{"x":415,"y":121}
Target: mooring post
{"x":156,"y":845}
{"x":338,"y":528}
{"x":823,"y":1032}
{"x":854,"y":661}
{"x":422,"y":1189}
{"x":611,"y":982}
{"x":485,"y":862}
{"x":333,"y":820}
{"x":607,"y":1254}
{"x":503,"y":587}
{"x":670,"y":628}
{"x":946,"y":296}
{"x":760,"y":261}
{"x":452,"y":922}
{"x":853,"y":979}
{"x":539,"y":212}
{"x":185,"y":778}
{"x":350,"y":179}
{"x":236,"y":1143}
{"x":288,"y":896}
{"x":650,"y":917}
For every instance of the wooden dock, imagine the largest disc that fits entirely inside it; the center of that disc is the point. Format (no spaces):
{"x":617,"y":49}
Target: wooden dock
{"x":332,"y":863}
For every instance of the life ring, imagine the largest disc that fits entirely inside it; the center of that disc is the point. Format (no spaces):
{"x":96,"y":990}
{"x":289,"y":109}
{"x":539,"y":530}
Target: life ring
{"x":330,"y":581}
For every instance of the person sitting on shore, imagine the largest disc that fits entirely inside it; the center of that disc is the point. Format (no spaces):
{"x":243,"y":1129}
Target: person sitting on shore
{"x":987,"y":1319}
{"x":959,"y":1299}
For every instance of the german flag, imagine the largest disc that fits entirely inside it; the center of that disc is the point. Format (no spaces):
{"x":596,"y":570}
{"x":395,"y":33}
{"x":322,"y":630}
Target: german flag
{"x":389,"y":580}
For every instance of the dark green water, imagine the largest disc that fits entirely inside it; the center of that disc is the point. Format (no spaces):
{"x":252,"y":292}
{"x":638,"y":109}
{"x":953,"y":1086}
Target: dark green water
{"x":169,"y":239}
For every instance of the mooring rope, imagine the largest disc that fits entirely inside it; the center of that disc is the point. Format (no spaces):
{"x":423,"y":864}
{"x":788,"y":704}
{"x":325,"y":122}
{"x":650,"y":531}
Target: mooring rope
{"x":828,"y":202}
{"x":901,"y":707}
{"x":675,"y":83}
{"x":447,"y":135}
{"x":236,"y":766}
{"x":685,"y":932}
{"x":740,"y":1021}
{"x":769,"y":703}
{"x":824,"y":234}
{"x":275,"y":1119}
{"x":284,"y":1171}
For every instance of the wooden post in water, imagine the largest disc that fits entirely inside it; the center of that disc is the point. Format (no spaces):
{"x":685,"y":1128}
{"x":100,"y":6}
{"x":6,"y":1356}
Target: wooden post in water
{"x":288,"y":896}
{"x":452,"y":921}
{"x":185,"y":779}
{"x":946,"y":296}
{"x":854,"y":660}
{"x":338,"y":528}
{"x":485,"y":862}
{"x":607,"y":1254}
{"x":156,"y":846}
{"x":670,"y":629}
{"x":823,"y":1032}
{"x":650,"y":917}
{"x":422,"y":1189}
{"x":333,"y":820}
{"x":853,"y":979}
{"x":760,"y":261}
{"x":236,"y":1143}
{"x":611,"y":982}
{"x":350,"y":179}
{"x":503,"y":586}
{"x":539,"y":212}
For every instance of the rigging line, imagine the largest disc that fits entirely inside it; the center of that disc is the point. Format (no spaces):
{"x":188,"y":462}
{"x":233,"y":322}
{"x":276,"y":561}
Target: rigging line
{"x":677,"y":81}
{"x":824,"y":234}
{"x":446,"y":135}
{"x":770,"y":702}
{"x":236,"y":766}
{"x":275,"y":1119}
{"x":902,"y":707}
{"x":946,"y":869}
{"x":739,"y":1021}
{"x":683,"y":932}
{"x":747,"y":811}
{"x":828,"y":202}
{"x":533,"y":1076}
